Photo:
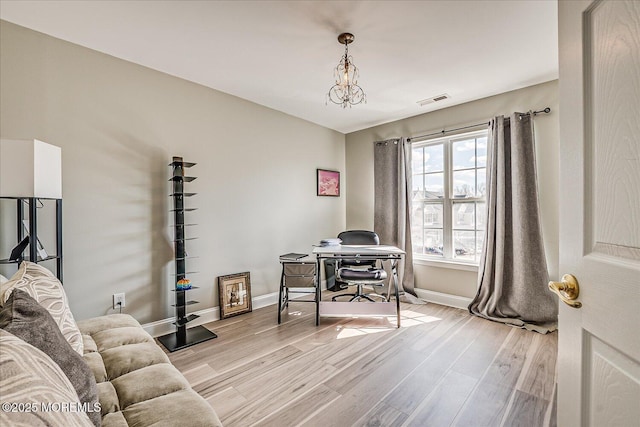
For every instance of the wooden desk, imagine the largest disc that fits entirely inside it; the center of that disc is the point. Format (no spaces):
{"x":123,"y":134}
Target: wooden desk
{"x":364,"y":253}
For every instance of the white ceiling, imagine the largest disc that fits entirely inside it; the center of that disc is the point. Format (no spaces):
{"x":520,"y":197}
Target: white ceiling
{"x":281,"y":54}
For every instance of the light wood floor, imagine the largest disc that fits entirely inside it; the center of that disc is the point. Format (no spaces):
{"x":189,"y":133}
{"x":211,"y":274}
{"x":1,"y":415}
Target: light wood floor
{"x":442,"y":368}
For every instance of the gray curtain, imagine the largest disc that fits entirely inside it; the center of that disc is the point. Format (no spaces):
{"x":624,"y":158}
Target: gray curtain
{"x":513,"y":276}
{"x":392,"y":206}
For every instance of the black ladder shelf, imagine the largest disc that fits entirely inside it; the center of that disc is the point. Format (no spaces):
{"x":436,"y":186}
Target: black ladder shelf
{"x":31,"y":240}
{"x":182,"y":337}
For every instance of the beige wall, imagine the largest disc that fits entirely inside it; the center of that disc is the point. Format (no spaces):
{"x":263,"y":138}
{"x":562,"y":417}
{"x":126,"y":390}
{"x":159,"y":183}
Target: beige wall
{"x":359,"y":166}
{"x":118,"y":125}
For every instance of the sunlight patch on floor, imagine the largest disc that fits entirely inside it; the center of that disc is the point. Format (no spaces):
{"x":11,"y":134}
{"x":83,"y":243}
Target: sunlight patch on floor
{"x":408,"y":319}
{"x":350,"y":332}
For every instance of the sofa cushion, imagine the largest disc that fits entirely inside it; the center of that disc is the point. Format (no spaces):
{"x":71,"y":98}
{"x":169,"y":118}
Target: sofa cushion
{"x":22,"y":316}
{"x":125,"y":335}
{"x":30,"y":377}
{"x":128,"y":358}
{"x":45,"y":288}
{"x":143,"y":384}
{"x":104,"y":323}
{"x":89,"y":344}
{"x":96,"y":364}
{"x":179,"y":409}
{"x":136,"y":382}
{"x":108,"y":398}
{"x":114,"y":419}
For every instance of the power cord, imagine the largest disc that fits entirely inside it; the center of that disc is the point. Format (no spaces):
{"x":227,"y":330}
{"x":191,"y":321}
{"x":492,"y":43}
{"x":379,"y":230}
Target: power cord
{"x":120,"y":306}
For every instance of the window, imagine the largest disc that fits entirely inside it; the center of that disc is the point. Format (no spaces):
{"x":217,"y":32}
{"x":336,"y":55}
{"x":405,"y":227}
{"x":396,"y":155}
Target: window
{"x":448,"y":212}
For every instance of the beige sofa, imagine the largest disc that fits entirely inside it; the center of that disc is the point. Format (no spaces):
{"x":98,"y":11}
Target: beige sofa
{"x":133,"y":381}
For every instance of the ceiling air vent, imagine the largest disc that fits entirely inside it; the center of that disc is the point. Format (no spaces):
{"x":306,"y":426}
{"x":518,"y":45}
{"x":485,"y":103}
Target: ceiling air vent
{"x":433,"y":99}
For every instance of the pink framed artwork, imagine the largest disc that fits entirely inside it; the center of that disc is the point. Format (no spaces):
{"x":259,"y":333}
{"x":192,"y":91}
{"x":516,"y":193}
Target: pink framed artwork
{"x":328,"y":183}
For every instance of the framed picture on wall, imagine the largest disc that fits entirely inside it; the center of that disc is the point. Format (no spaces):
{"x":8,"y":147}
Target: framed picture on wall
{"x":234,"y":293}
{"x":328,"y":182}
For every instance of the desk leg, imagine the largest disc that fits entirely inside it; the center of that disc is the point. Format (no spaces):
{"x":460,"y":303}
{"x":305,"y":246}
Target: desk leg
{"x":394,"y":273}
{"x":280,"y":295}
{"x":318,"y":293}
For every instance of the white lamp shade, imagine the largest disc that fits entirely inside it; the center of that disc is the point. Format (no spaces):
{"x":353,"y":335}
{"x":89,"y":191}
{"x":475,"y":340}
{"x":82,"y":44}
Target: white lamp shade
{"x":30,"y":168}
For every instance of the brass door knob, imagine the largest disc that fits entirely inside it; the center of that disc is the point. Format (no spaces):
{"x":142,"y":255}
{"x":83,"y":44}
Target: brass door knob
{"x":567,"y":290}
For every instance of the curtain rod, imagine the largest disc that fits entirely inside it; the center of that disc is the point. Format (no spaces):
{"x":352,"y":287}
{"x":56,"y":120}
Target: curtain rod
{"x":443,"y":132}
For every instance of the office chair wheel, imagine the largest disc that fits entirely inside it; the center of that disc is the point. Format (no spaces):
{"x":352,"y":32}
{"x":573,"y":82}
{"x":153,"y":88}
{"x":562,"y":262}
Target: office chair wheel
{"x":358,"y":297}
{"x":368,"y":297}
{"x":345,"y":295}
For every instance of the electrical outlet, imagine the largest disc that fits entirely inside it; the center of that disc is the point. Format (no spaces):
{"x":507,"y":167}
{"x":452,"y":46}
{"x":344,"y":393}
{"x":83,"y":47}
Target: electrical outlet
{"x":118,"y":300}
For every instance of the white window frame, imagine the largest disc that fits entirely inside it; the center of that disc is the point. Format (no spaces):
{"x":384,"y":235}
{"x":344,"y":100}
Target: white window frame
{"x":447,"y":258}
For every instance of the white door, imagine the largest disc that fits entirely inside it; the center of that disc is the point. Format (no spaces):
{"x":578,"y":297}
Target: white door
{"x":599,"y":343}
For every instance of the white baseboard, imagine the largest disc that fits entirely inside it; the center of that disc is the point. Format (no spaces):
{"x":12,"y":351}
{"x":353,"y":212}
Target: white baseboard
{"x":165,"y":326}
{"x":443,"y":299}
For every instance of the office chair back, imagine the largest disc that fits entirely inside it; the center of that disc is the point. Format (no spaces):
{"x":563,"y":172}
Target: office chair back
{"x":358,"y":237}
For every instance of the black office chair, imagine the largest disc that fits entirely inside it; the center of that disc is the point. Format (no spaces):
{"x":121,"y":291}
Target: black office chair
{"x":360,"y":272}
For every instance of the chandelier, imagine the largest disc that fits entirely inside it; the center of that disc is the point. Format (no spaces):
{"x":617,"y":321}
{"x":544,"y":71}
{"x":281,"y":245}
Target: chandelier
{"x":346,"y":91}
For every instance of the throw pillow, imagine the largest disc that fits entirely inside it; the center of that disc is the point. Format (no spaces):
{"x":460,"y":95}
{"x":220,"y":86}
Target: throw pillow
{"x":4,"y":286}
{"x":23,"y":317}
{"x":29,"y":380}
{"x":45,"y":288}
{"x":3,"y":280}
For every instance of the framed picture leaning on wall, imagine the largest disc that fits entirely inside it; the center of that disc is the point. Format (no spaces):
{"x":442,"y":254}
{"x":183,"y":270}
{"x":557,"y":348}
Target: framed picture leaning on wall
{"x":234,"y":293}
